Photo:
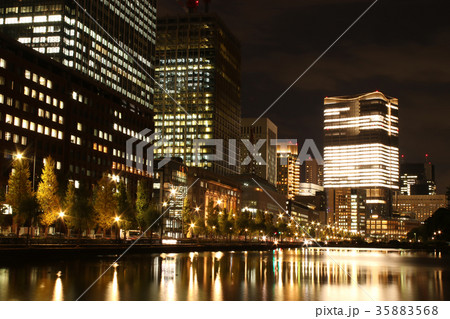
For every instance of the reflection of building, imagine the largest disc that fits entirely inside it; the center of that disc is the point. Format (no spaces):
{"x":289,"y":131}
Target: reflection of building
{"x":422,"y":206}
{"x":65,"y":32}
{"x":417,"y":179}
{"x":263,"y":129}
{"x":211,"y":188}
{"x":54,"y":110}
{"x":170,"y":190}
{"x":255,"y":198}
{"x":361,"y":153}
{"x":198,"y":63}
{"x":288,"y":169}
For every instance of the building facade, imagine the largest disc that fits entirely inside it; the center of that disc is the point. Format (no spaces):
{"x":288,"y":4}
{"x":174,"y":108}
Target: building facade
{"x":417,"y":179}
{"x":198,"y":64}
{"x":288,"y":170}
{"x":263,"y":129}
{"x":361,"y":152}
{"x":49,"y":109}
{"x":206,"y":189}
{"x":111,"y":41}
{"x":422,"y":206}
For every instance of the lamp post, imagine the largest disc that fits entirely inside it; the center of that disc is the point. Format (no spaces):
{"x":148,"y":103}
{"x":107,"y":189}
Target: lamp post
{"x":61,"y":223}
{"x":19,"y":156}
{"x":117,"y":220}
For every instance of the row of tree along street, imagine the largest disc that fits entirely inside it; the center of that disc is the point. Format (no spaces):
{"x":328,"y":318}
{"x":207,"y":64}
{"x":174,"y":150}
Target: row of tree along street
{"x":109,"y":206}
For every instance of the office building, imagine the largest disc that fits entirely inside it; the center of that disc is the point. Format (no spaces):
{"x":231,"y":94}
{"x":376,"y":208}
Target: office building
{"x":361,"y":153}
{"x":49,"y":109}
{"x":198,"y":64}
{"x":421,"y":206}
{"x":208,"y":189}
{"x":254,"y":196}
{"x":288,"y":170}
{"x":170,"y":190}
{"x":417,"y":178}
{"x":311,"y":172}
{"x":263,"y":129}
{"x":106,"y":41}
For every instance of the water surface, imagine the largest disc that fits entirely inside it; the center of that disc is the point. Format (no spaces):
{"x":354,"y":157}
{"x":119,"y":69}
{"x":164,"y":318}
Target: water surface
{"x":282,"y":274}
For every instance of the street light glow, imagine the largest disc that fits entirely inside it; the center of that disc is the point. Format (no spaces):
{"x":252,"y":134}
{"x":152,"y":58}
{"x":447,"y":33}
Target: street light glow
{"x":61,"y":214}
{"x":219,"y":201}
{"x":19,"y":156}
{"x":117,"y":219}
{"x":192,"y":225}
{"x":173,"y":192}
{"x":197,"y":209}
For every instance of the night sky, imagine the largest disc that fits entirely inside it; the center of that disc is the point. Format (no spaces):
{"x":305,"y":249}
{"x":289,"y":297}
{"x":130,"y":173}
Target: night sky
{"x":400,"y":47}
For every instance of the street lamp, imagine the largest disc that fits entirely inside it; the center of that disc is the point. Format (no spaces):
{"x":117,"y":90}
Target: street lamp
{"x":61,"y":215}
{"x":219,"y":202}
{"x":173,"y":192}
{"x":117,"y":220}
{"x":19,"y":156}
{"x":197,"y":209}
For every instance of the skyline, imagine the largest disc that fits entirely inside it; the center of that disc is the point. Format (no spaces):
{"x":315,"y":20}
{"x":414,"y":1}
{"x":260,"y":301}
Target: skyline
{"x":405,"y":59}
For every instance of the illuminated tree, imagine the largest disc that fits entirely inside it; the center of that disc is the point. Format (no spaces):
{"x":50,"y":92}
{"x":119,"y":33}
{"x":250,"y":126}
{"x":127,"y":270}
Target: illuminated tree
{"x":105,"y":203}
{"x":47,"y":195}
{"x":19,"y":191}
{"x":79,"y":210}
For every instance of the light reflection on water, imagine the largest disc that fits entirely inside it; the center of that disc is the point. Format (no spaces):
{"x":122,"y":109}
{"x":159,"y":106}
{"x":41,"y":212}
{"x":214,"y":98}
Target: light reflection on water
{"x":293,"y":274}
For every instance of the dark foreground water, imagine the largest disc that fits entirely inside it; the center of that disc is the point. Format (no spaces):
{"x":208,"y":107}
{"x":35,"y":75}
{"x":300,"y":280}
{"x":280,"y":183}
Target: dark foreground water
{"x":290,"y":274}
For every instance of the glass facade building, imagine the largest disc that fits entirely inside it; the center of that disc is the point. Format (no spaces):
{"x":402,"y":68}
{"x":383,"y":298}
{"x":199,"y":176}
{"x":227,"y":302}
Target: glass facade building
{"x":361,"y":150}
{"x":113,"y":41}
{"x":198,"y":66}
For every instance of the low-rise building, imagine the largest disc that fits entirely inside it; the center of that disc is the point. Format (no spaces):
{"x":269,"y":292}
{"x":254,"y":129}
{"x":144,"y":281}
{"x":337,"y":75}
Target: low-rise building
{"x":422,"y":206}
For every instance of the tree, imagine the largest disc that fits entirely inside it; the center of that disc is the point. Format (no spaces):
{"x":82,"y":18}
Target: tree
{"x":79,"y":210}
{"x":105,"y":203}
{"x":187,"y":216}
{"x":29,"y":209}
{"x":125,"y":207}
{"x":19,"y":190}
{"x":143,"y":199}
{"x":47,"y":195}
{"x":225,"y":223}
{"x":242,"y":223}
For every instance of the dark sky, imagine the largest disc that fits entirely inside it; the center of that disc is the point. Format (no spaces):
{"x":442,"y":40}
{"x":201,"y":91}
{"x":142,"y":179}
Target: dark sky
{"x":400,"y":47}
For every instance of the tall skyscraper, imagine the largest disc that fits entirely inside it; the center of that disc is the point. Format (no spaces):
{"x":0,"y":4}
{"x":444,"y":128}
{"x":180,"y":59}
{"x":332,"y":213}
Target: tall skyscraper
{"x":47,"y":109}
{"x":361,"y":153}
{"x":263,"y":129}
{"x":80,"y":39}
{"x":288,"y":170}
{"x":198,"y":64}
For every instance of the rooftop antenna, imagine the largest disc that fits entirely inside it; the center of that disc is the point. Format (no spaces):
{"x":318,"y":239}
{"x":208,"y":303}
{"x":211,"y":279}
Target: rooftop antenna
{"x":207,"y":2}
{"x":192,"y":5}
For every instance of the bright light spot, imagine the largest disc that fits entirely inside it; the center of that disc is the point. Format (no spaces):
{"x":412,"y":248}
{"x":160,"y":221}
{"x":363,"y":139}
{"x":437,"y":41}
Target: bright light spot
{"x":61,"y":214}
{"x":192,"y":225}
{"x":169,"y":241}
{"x":117,"y":219}
{"x":197,"y":209}
{"x":219,"y":201}
{"x":19,"y":156}
{"x":115,"y":265}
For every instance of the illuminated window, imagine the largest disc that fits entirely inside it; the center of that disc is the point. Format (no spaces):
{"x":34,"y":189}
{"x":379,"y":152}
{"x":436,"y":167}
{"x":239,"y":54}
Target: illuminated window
{"x":24,"y":140}
{"x":17,"y":121}
{"x":60,"y":135}
{"x":40,"y":128}
{"x":32,"y":126}
{"x":79,"y":126}
{"x":8,"y":119}
{"x":2,"y":63}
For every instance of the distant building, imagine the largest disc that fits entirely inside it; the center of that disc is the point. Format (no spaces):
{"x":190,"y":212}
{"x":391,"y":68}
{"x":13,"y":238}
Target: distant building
{"x":255,"y":196}
{"x":263,"y":129}
{"x":309,"y":189}
{"x":47,"y":109}
{"x":417,"y":179}
{"x":80,"y":39}
{"x":311,"y":172}
{"x":386,"y":229}
{"x":208,"y":188}
{"x":288,"y":170}
{"x":198,"y":64}
{"x":360,"y":155}
{"x":422,"y":206}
